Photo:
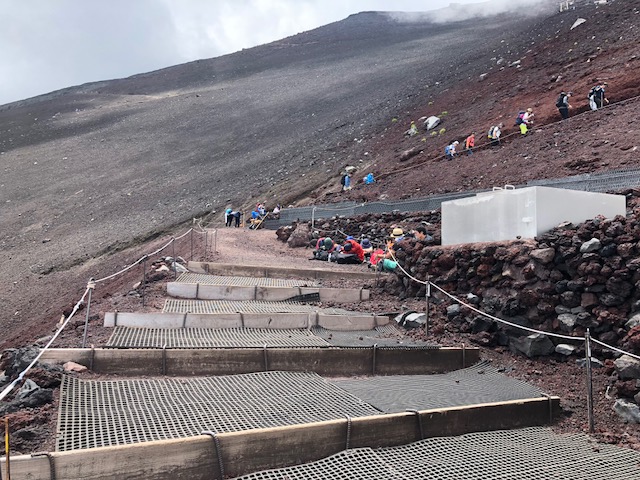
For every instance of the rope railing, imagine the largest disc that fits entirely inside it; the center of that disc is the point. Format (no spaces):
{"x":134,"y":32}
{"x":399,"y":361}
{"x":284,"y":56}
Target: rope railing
{"x":586,"y":339}
{"x":90,"y":286}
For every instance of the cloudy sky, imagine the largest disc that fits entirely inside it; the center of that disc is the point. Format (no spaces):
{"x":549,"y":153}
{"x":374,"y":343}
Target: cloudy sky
{"x":46,"y":45}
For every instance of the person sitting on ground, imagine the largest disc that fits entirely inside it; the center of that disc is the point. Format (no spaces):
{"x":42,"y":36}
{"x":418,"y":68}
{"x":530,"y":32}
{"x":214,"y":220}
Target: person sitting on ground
{"x":563,"y":104}
{"x":367,"y":248}
{"x":276,"y":212}
{"x":351,"y":253}
{"x":421,"y":234}
{"x":324,"y":247}
{"x":470,"y":142}
{"x":397,"y":236}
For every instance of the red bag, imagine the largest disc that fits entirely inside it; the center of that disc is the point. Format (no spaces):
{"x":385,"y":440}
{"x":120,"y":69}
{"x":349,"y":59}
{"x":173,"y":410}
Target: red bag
{"x":376,"y":256}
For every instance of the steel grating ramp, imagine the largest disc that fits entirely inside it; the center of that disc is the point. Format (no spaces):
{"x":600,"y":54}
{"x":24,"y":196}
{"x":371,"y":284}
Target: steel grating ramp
{"x":481,"y":383}
{"x":383,"y":336}
{"x":534,"y":453}
{"x":173,"y":305}
{"x":104,"y":413}
{"x":131,"y":337}
{"x":205,"y":279}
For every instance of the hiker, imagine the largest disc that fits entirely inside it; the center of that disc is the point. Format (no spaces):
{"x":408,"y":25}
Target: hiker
{"x":324,"y":247}
{"x":367,"y":247}
{"x":563,"y":104}
{"x":494,"y":134}
{"x":236,"y":216}
{"x":469,"y":143}
{"x":524,"y":119}
{"x":421,"y":235}
{"x":450,"y":150}
{"x":261,"y":209}
{"x":228,"y":218}
{"x":413,"y":130}
{"x":397,"y":235}
{"x":597,"y":97}
{"x":368,"y":180}
{"x":345,"y":181}
{"x":351,"y":253}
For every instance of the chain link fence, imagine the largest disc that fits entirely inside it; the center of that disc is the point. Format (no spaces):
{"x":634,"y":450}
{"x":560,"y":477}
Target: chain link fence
{"x":612,"y":181}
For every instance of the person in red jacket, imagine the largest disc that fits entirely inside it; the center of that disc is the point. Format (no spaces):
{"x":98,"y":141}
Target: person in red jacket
{"x":352,"y":247}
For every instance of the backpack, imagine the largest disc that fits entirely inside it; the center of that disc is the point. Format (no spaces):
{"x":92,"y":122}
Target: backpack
{"x":520,"y":117}
{"x":560,"y":101}
{"x":447,"y":150}
{"x":343,"y":180}
{"x":490,"y":132}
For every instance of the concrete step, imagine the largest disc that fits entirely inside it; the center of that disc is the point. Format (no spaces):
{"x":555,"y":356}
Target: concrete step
{"x":250,"y":314}
{"x":212,"y":287}
{"x":350,"y":272}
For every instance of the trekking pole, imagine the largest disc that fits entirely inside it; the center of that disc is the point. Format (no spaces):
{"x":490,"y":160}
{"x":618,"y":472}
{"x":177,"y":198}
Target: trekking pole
{"x":90,"y":286}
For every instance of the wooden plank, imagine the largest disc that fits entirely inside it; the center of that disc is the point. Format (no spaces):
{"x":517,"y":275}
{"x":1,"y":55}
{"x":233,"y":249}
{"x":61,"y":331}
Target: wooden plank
{"x":353,"y":272}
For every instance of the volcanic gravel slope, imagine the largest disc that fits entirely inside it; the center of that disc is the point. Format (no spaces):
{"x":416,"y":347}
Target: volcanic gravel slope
{"x":91,"y":170}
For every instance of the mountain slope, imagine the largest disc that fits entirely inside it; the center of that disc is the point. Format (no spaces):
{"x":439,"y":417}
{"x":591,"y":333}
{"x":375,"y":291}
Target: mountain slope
{"x":92,"y":169}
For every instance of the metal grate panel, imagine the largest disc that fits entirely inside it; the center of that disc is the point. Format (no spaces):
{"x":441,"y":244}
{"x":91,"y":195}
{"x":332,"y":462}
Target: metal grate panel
{"x":172,"y":305}
{"x":481,"y":383}
{"x":104,"y":413}
{"x":525,"y":454}
{"x":131,"y":337}
{"x":383,"y":336}
{"x":204,"y":279}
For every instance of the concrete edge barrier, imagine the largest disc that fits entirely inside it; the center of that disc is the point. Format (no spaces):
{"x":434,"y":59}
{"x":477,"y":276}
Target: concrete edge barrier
{"x":201,"y":291}
{"x":284,"y":320}
{"x":328,"y":361}
{"x":241,"y":453}
{"x":212,"y":268}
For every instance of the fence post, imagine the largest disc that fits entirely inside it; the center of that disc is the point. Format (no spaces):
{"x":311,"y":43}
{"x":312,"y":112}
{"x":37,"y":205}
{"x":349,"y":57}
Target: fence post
{"x":173,"y":254}
{"x":428,"y":296}
{"x":191,"y":236}
{"x":206,"y":240}
{"x":313,"y":217}
{"x":144,"y":277}
{"x":215,"y":241}
{"x":90,"y":286}
{"x":587,"y":351}
{"x":7,"y":461}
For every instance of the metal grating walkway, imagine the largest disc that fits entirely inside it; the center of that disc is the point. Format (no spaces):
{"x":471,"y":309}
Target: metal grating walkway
{"x":131,"y":337}
{"x":525,"y":454}
{"x":173,"y":305}
{"x":104,"y":413}
{"x":481,"y":383}
{"x":204,"y":279}
{"x":383,"y":336}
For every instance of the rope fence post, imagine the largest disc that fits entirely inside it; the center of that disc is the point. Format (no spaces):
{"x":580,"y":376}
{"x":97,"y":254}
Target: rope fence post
{"x":427,"y":294}
{"x":7,"y":460}
{"x":91,"y":284}
{"x":206,"y":240}
{"x":313,"y":217}
{"x":215,"y":241}
{"x":587,"y":352}
{"x":144,"y":277}
{"x":191,"y":236}
{"x":173,"y":255}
